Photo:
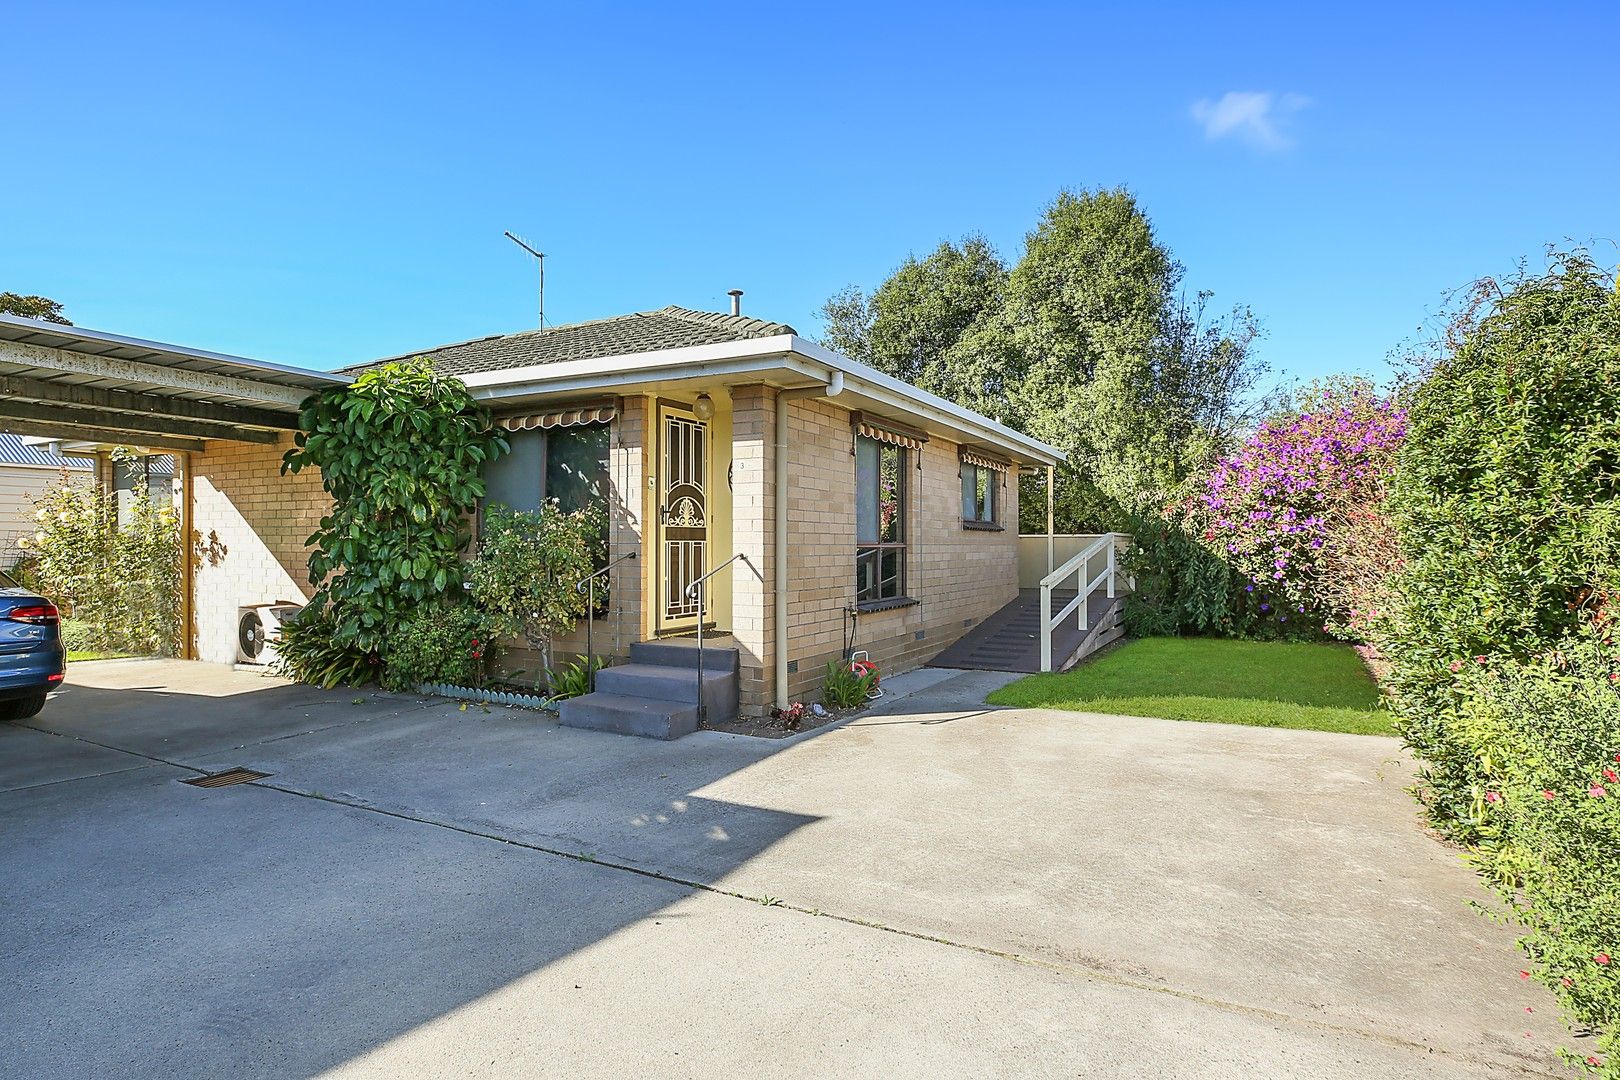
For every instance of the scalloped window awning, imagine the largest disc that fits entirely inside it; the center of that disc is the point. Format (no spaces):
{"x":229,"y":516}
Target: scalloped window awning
{"x":567,"y":416}
{"x":893,"y":434}
{"x":984,"y":461}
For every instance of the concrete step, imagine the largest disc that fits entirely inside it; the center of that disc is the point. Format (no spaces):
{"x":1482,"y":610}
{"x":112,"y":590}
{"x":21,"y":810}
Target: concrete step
{"x":629,"y":715}
{"x":669,"y":655}
{"x":662,"y":682}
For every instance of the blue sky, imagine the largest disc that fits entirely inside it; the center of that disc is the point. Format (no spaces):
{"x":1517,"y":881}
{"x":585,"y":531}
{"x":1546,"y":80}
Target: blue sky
{"x":323,"y":184}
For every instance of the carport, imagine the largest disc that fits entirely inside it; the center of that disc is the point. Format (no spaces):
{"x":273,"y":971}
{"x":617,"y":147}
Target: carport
{"x":225,"y":420}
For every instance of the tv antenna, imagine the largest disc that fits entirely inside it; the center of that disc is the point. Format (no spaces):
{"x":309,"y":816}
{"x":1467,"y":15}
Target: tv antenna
{"x":540,"y":260}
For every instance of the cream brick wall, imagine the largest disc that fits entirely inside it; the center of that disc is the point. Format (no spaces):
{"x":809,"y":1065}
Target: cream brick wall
{"x":753,"y":509}
{"x":260,"y":520}
{"x":957,"y":576}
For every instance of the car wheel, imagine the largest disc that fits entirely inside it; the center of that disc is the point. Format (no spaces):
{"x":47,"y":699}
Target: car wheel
{"x":22,"y":708}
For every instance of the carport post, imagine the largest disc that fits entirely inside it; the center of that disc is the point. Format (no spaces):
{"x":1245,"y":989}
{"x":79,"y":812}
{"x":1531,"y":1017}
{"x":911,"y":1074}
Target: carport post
{"x":188,"y":631}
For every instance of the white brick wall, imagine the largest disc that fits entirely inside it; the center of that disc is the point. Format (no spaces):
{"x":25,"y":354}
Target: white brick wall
{"x":261,"y":518}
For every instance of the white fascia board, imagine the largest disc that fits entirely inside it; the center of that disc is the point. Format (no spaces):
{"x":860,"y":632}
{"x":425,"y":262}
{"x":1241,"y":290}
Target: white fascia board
{"x":679,"y":363}
{"x":905,"y":395}
{"x":876,"y":384}
{"x":781,"y":353}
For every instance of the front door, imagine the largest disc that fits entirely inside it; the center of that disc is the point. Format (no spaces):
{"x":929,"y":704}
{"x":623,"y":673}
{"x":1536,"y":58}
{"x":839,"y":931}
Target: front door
{"x":683,"y":516}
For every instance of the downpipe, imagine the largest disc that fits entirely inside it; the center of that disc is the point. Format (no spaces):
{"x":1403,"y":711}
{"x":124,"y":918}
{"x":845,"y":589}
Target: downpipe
{"x":834,"y":386}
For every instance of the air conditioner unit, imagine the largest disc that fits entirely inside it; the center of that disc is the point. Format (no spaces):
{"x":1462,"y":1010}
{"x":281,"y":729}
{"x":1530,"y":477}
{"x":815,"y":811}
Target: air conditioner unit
{"x":257,"y":627}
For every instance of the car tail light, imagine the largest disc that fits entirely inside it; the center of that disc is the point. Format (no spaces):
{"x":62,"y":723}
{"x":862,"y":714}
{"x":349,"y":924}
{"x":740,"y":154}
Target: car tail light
{"x":58,"y":677}
{"x":38,"y":614}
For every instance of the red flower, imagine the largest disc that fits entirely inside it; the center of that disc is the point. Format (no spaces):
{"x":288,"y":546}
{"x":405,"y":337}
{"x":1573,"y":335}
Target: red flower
{"x":1601,"y":958}
{"x":1567,"y":981}
{"x":1549,"y":795}
{"x":1479,"y":659}
{"x":1596,"y":791}
{"x":1524,"y":974}
{"x":1593,"y":1059}
{"x":1611,"y":776}
{"x":1493,"y":796}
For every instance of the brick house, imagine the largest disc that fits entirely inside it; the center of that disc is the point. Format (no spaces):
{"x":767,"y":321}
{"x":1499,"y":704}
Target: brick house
{"x":787,"y":500}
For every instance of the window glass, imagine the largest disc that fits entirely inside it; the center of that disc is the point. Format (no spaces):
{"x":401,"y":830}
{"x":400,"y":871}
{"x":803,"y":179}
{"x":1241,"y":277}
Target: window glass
{"x":978,"y":493}
{"x":866,"y":488}
{"x":880,"y":520}
{"x":517,"y":478}
{"x":577,"y":467}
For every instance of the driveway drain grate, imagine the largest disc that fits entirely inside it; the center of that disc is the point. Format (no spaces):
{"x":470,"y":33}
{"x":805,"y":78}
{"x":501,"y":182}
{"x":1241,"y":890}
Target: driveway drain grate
{"x":226,"y":778}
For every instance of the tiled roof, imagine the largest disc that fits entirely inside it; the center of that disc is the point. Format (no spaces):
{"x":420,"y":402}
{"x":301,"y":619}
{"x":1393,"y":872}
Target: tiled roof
{"x":13,"y":451}
{"x":644,"y":331}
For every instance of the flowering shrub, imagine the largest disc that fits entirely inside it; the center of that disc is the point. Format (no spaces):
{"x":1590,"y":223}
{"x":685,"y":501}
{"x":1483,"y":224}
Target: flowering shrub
{"x":1546,"y":813}
{"x":1503,"y":662}
{"x":1296,"y":509}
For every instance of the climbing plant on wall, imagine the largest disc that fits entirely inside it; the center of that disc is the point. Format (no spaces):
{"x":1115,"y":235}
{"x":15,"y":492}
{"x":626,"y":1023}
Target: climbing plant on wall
{"x":400,"y":451}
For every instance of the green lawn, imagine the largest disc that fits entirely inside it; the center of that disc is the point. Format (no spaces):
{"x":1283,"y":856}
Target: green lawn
{"x":1261,"y":683}
{"x":75,"y":656}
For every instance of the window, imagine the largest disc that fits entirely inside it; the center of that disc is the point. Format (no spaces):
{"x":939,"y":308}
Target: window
{"x":979,"y":486}
{"x":153,"y":472}
{"x":880,"y":521}
{"x":566,"y":464}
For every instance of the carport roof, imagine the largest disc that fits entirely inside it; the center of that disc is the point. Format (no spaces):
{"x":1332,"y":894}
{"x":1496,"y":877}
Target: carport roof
{"x":80,"y":385}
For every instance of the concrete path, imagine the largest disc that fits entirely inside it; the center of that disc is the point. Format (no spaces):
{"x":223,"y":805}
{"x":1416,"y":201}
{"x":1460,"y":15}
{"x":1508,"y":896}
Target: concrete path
{"x":934,"y":889}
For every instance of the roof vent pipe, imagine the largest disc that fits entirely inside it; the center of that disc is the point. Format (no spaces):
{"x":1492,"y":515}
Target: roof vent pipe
{"x":736,"y":301}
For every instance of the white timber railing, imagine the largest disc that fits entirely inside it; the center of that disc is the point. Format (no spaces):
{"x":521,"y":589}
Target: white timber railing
{"x":1076,"y":568}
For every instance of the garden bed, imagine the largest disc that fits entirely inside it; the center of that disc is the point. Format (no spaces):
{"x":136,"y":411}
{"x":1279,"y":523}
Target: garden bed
{"x":769,"y":727}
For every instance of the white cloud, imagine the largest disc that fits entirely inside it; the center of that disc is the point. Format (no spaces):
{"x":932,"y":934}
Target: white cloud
{"x":1259,"y":118}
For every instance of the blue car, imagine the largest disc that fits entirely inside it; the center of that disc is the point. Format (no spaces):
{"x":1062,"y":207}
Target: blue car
{"x":32,"y":661}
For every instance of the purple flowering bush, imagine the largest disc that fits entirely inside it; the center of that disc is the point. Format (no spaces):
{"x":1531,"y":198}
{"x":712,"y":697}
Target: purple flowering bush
{"x":1296,"y":510}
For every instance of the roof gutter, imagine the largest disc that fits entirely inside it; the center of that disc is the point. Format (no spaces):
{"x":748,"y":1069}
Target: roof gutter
{"x":779,"y":577}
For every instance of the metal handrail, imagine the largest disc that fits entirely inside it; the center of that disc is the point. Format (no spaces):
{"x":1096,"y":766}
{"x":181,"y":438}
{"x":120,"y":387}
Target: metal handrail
{"x":1076,"y":565}
{"x":587,"y":585}
{"x":694,"y":591}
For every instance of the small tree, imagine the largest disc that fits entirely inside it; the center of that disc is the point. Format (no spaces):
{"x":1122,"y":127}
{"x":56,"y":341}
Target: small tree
{"x":119,"y":582}
{"x":527,"y":567}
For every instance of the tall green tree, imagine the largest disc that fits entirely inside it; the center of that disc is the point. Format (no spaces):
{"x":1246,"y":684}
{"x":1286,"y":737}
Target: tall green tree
{"x":1088,"y":343}
{"x":907,"y":326}
{"x":32,"y":307}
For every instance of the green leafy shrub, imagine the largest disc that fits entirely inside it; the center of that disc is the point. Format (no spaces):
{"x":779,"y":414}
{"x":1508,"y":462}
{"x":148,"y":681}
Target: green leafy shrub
{"x":120,"y":581}
{"x":308,"y":649}
{"x":79,"y":636}
{"x":1181,"y":586}
{"x":573,"y":679}
{"x":844,"y":688}
{"x":1506,"y":510}
{"x":400,"y":451}
{"x":1546,"y":812}
{"x":527,"y":569}
{"x":1506,"y":505}
{"x":437,"y":643}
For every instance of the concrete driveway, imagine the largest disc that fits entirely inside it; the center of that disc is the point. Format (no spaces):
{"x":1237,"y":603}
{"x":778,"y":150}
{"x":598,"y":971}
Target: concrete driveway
{"x":938,"y":888}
